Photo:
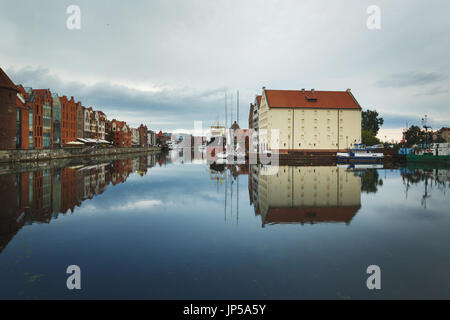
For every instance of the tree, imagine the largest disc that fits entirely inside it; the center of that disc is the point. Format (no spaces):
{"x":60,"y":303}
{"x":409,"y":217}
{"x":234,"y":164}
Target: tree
{"x":414,"y":135}
{"x":368,"y":138}
{"x":370,"y":121}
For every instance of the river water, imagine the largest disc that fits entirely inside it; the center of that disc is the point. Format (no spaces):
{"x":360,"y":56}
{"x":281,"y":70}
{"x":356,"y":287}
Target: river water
{"x":157,"y":227}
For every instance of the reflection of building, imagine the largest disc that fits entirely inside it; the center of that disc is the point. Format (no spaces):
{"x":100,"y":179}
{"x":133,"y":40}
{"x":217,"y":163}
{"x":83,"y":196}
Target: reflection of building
{"x":305,"y":194}
{"x":39,"y":196}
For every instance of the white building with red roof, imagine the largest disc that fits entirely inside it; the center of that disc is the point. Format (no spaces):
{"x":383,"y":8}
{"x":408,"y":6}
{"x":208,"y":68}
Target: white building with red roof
{"x":308,"y":121}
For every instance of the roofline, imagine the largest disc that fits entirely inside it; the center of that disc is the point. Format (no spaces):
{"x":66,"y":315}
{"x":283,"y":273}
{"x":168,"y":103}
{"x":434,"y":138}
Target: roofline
{"x":331,"y":108}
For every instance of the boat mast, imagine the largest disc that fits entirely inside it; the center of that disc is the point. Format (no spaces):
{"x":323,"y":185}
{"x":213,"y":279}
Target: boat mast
{"x":226,"y":111}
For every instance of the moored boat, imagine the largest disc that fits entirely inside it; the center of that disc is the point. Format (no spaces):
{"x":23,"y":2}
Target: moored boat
{"x":360,"y":153}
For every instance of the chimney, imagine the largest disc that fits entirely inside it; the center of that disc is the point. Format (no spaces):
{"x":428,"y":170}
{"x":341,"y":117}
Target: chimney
{"x":312,"y":91}
{"x":303,"y":90}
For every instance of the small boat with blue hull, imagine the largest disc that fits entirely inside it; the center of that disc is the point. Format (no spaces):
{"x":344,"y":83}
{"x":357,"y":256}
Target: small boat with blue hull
{"x":359,"y":154}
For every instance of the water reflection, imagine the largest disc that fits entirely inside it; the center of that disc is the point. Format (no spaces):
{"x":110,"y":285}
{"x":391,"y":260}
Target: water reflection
{"x":313,"y":194}
{"x":432,"y":179}
{"x":195,"y":231}
{"x":41,"y":195}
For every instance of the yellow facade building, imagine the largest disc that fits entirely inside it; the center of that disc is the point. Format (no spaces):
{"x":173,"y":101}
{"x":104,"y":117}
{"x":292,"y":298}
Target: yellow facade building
{"x":308,"y":121}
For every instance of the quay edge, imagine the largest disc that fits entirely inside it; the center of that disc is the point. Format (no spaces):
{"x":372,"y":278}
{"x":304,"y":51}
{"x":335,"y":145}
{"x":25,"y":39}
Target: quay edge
{"x":65,"y":153}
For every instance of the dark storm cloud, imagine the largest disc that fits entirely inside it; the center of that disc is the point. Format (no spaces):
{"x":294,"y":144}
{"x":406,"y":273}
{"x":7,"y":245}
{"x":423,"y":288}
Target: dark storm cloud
{"x":410,"y":79}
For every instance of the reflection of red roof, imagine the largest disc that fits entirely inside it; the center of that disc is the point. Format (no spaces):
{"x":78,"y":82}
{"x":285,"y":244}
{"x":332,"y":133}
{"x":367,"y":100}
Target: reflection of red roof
{"x":234,"y":126}
{"x":308,"y":99}
{"x":311,"y":214}
{"x":6,"y":82}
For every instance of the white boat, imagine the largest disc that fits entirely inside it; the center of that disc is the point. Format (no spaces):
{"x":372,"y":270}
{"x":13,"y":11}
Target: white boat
{"x":360,"y":153}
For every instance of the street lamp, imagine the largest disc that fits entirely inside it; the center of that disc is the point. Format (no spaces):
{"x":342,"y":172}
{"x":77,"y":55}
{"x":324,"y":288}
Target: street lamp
{"x":426,"y":126}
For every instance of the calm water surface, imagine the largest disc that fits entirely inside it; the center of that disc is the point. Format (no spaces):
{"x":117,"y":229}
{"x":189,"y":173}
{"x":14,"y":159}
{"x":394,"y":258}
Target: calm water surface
{"x":149,"y":227}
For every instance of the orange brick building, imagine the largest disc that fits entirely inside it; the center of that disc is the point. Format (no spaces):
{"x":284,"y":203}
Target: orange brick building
{"x":68,"y":120}
{"x":121,"y":134}
{"x":8,"y":113}
{"x":143,"y":135}
{"x":41,"y":101}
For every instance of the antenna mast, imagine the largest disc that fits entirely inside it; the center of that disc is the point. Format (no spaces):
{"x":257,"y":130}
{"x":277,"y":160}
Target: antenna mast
{"x":238,"y":107}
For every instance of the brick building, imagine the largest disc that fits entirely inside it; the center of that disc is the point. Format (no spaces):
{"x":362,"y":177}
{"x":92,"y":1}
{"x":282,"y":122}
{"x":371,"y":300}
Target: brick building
{"x":22,"y":123}
{"x":27,"y":119}
{"x":143,"y":135}
{"x":121,"y":134}
{"x":8,"y":113}
{"x":41,"y":101}
{"x":68,"y":120}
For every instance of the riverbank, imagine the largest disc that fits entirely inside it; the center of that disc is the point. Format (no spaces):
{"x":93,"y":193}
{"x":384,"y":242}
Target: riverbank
{"x":11,"y":156}
{"x":31,"y":166}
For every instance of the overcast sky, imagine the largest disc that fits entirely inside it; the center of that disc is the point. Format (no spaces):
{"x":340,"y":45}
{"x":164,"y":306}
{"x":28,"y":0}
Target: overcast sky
{"x":168,"y":63}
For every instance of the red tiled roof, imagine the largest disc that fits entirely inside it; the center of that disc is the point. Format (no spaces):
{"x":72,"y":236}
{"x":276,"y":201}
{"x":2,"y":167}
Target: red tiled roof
{"x":311,"y":214}
{"x":6,"y":82}
{"x":318,"y":99}
{"x":258,"y":98}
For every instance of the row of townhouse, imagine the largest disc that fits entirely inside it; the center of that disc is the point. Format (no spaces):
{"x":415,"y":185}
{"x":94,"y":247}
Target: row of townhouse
{"x":37,"y":119}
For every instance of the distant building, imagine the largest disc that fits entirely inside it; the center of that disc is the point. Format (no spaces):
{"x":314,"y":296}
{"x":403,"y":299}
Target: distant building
{"x":101,"y":120}
{"x":23,"y":121}
{"x":143,"y":135}
{"x":80,"y":120}
{"x":151,"y":137}
{"x":135,"y":137}
{"x":445,"y":134}
{"x":253,"y":122}
{"x":56,"y":121}
{"x":121,"y":133}
{"x":308,"y":121}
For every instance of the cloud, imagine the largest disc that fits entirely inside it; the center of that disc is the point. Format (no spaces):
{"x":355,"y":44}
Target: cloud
{"x":401,"y":80}
{"x":394,"y":121}
{"x":167,"y":108}
{"x":152,"y":63}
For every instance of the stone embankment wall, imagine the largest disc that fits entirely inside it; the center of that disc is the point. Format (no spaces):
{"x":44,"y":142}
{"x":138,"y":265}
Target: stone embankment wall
{"x":66,"y":153}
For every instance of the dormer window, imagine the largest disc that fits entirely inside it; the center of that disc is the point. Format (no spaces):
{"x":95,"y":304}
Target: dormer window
{"x":311,"y":99}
